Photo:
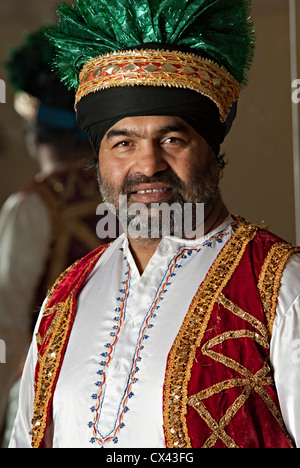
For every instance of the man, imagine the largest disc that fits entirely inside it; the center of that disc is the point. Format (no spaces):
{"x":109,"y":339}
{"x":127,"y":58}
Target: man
{"x":50,"y":221}
{"x":164,"y":341}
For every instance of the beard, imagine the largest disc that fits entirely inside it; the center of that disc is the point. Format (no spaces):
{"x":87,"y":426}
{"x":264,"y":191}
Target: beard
{"x":200,"y":188}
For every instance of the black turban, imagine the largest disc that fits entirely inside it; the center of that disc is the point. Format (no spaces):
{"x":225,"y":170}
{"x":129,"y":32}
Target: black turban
{"x":98,"y":112}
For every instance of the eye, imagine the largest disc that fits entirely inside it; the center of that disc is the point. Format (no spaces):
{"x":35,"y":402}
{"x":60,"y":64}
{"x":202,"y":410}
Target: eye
{"x":173,"y":141}
{"x":122,"y":144}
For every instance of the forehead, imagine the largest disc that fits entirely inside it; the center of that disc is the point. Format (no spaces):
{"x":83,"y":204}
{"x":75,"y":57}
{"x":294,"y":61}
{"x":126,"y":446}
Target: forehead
{"x":146,"y":126}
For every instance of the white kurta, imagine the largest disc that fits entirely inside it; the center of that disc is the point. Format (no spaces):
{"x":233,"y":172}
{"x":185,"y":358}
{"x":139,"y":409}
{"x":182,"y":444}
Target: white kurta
{"x":109,"y":392}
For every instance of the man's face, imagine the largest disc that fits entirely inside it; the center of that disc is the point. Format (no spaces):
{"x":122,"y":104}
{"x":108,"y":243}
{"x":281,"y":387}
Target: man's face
{"x":157,"y":159}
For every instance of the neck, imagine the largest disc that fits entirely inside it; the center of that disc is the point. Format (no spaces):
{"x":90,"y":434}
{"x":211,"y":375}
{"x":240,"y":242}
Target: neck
{"x":143,"y":249}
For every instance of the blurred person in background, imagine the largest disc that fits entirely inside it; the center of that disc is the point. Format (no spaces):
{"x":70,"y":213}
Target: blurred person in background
{"x":49,"y":222}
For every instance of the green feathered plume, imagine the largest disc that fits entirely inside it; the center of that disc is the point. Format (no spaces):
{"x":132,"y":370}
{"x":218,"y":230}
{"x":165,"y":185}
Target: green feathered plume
{"x":218,"y":29}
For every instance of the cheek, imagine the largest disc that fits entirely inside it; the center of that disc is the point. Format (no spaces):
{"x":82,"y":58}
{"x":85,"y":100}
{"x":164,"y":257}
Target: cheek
{"x":191,"y":166}
{"x":201,"y":158}
{"x":112,"y":170}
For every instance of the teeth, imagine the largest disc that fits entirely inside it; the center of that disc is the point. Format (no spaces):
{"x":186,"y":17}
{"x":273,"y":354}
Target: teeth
{"x":151,"y":191}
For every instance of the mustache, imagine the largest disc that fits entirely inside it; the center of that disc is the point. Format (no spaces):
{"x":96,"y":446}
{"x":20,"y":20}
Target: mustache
{"x":167,"y":177}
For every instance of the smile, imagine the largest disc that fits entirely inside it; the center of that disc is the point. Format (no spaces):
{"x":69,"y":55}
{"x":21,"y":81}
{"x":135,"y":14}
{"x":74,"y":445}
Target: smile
{"x":152,"y":190}
{"x":147,"y":193}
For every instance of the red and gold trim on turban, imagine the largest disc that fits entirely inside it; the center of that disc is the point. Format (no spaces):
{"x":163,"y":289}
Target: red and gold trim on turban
{"x":152,"y":67}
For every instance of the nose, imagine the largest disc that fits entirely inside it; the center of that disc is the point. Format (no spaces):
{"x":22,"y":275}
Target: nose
{"x":149,"y":160}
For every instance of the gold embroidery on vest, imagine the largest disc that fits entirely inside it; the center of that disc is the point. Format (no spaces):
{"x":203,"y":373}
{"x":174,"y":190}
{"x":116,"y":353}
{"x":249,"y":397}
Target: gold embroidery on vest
{"x":58,"y":309}
{"x":244,"y":315}
{"x":49,"y":363}
{"x":49,"y":310}
{"x":270,"y":277}
{"x":189,"y":338}
{"x":51,"y":358}
{"x":218,"y":431}
{"x":250,"y":382}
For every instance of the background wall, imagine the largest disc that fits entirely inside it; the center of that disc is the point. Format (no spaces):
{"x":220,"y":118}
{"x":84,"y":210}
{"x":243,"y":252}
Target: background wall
{"x":258,"y":182}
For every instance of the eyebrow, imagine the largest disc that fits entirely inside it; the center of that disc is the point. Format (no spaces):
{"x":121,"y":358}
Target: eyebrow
{"x":178,"y":127}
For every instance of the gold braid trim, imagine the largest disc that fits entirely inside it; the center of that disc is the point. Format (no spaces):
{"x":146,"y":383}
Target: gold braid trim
{"x":248,"y":381}
{"x":189,"y":338}
{"x":49,"y":364}
{"x":270,"y":278}
{"x":50,"y":310}
{"x":151,"y":67}
{"x":50,"y":361}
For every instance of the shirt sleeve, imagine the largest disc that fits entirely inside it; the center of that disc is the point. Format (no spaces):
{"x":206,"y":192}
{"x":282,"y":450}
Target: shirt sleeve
{"x":25,"y":232}
{"x":285,"y":348}
{"x":20,"y":437}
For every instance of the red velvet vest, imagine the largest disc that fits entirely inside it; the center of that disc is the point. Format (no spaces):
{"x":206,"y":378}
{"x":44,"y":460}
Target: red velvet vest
{"x":219,"y":389}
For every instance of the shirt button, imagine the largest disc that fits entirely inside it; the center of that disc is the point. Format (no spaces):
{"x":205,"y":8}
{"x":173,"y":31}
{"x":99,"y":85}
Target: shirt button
{"x":129,"y":325}
{"x":147,"y":281}
{"x":164,"y":249}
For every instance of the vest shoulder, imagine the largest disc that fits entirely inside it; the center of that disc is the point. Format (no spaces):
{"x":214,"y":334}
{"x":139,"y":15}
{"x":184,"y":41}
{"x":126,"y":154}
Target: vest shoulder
{"x":74,"y":275}
{"x":264,"y":238}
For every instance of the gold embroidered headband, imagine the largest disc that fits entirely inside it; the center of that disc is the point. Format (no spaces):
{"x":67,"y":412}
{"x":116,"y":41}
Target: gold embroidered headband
{"x":152,"y":67}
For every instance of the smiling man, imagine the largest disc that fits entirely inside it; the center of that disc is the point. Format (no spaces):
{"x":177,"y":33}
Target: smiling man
{"x":159,"y":160}
{"x":164,"y":341}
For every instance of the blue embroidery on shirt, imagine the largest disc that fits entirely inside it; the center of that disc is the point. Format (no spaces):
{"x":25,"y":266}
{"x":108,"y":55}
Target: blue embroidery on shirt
{"x":174,"y":267}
